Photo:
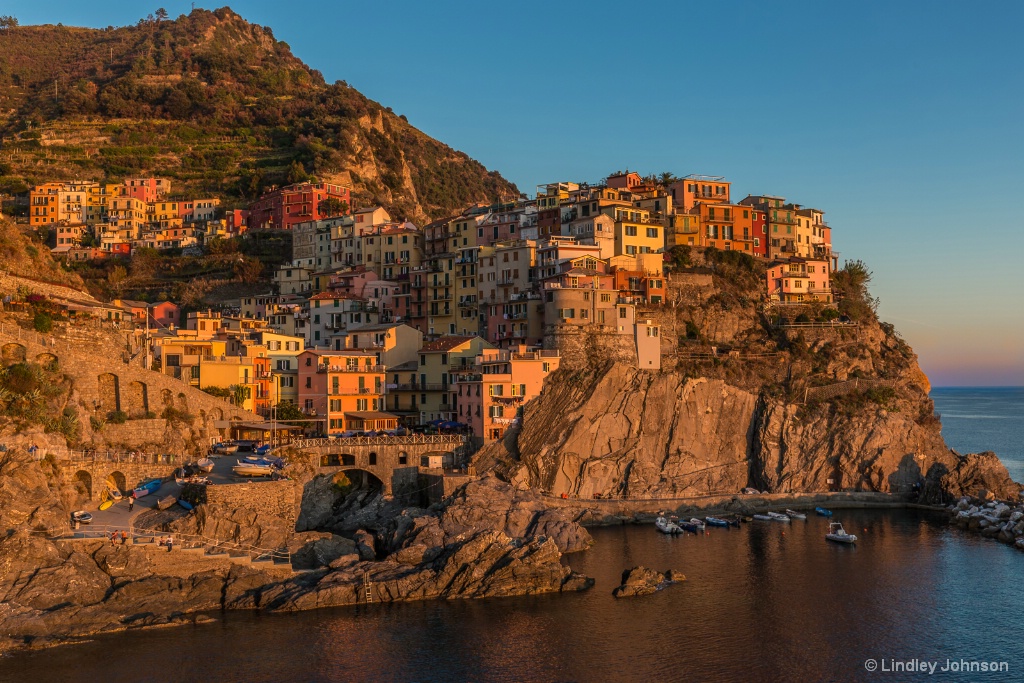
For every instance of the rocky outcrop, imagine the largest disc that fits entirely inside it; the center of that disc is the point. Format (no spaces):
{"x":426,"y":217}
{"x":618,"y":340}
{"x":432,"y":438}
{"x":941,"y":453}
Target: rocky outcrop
{"x":643,"y":581}
{"x":620,"y":432}
{"x":991,"y":518}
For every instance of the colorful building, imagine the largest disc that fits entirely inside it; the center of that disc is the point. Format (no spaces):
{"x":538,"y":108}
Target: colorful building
{"x":344,"y":390}
{"x":283,"y":208}
{"x":799,"y":280}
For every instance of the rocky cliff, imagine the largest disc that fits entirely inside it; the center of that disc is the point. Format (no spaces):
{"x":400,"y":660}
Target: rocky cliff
{"x":775,"y":405}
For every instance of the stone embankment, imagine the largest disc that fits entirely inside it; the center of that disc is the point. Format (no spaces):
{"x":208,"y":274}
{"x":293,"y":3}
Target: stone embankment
{"x":991,"y":518}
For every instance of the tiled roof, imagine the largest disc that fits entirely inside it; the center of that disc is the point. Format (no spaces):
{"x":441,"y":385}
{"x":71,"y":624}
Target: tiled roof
{"x":444,"y":344}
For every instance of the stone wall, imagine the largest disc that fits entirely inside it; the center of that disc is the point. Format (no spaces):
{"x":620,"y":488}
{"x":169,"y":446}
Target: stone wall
{"x":10,"y":284}
{"x":275,"y":498}
{"x":579,"y":345}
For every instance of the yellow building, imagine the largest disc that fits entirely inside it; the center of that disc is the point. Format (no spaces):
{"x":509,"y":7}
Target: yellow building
{"x":636,"y":232}
{"x":425,"y":388}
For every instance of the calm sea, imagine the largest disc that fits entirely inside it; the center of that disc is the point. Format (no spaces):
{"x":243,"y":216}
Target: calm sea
{"x":767,"y":602}
{"x":988,"y":419}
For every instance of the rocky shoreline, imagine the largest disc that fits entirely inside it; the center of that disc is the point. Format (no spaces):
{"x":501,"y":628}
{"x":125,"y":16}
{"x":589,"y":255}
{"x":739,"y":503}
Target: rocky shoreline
{"x":1001,"y":520}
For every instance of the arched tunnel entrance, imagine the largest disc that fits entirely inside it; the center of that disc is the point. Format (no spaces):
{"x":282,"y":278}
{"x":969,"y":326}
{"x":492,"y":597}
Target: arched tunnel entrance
{"x":332,"y":501}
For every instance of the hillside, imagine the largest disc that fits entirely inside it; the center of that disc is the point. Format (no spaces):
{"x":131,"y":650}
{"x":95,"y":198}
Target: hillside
{"x":218,"y":105}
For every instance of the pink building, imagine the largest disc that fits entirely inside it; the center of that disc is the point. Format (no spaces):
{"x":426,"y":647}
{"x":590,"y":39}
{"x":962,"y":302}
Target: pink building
{"x":165,"y":314}
{"x":798,"y":280}
{"x":283,"y":208}
{"x":236,"y":221}
{"x":501,"y":382}
{"x":352,"y":283}
{"x":147,"y":189}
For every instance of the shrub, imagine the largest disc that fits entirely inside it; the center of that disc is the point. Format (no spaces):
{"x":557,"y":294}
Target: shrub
{"x":692,"y":331}
{"x":174,"y":415}
{"x":881,"y":395}
{"x":117,"y":417}
{"x":42,"y":322}
{"x":828,"y":315}
{"x":97,"y":423}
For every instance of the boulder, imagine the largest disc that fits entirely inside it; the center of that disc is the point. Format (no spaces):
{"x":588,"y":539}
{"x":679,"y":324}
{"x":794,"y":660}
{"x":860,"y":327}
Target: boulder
{"x":643,"y":581}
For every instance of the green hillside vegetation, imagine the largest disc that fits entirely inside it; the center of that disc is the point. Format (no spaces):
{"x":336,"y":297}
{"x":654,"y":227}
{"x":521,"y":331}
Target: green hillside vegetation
{"x":221,"y":107}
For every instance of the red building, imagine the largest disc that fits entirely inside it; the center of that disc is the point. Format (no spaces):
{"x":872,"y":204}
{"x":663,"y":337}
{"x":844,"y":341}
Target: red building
{"x":759,"y":231}
{"x":236,"y":220}
{"x":284,"y":207}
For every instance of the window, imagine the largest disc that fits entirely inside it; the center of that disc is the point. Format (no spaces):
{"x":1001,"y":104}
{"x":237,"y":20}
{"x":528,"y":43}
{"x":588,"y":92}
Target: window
{"x":652,"y":232}
{"x":309,"y":382}
{"x":622,"y":312}
{"x":335,"y":404}
{"x":631,"y":231}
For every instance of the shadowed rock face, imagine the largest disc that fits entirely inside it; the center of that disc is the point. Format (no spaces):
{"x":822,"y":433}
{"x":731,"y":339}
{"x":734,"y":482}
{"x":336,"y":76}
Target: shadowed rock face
{"x":638,"y":434}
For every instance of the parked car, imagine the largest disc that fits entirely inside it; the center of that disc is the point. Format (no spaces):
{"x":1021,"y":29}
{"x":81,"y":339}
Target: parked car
{"x":81,"y":516}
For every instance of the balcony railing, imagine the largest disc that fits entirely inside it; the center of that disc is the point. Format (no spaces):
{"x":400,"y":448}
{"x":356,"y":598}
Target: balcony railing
{"x":420,"y":386}
{"x":350,"y":368}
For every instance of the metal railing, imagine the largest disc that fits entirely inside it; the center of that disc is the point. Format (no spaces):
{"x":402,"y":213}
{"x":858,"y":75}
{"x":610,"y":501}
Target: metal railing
{"x":128,"y":457}
{"x":411,"y":440}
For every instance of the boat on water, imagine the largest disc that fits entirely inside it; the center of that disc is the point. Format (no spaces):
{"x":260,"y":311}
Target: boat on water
{"x":778,"y":517}
{"x":822,"y":512}
{"x":763,"y":518}
{"x":793,"y":514}
{"x":838,"y":534}
{"x":716,"y":521}
{"x":666,"y":526}
{"x":147,"y":487}
{"x":205,"y":465}
{"x":247,"y":469}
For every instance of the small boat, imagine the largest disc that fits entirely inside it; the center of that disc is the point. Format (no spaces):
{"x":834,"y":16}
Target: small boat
{"x":244,"y":469}
{"x":778,"y":517}
{"x":838,"y":534}
{"x":147,"y":487}
{"x":716,"y":521}
{"x":793,"y":514}
{"x":666,"y":527}
{"x":823,"y":512}
{"x":114,"y":494}
{"x":107,"y":504}
{"x":687,"y":525}
{"x":205,"y":465}
{"x":166,"y":502}
{"x":225,"y":448}
{"x":184,"y":503}
{"x":763,"y":518}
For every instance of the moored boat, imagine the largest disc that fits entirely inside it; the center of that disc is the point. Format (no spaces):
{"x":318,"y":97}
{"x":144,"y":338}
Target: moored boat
{"x":823,"y":512}
{"x":205,"y":465}
{"x":666,"y":527}
{"x":778,"y":517}
{"x":716,"y":521}
{"x":763,"y":518}
{"x":793,"y":514}
{"x":837,"y":534}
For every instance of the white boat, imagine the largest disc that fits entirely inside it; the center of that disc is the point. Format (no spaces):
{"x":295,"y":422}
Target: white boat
{"x":793,"y":514}
{"x":764,"y":518}
{"x":778,"y":517}
{"x":244,"y":469}
{"x":837,"y":533}
{"x":666,"y":527}
{"x":114,"y":494}
{"x":205,"y":465}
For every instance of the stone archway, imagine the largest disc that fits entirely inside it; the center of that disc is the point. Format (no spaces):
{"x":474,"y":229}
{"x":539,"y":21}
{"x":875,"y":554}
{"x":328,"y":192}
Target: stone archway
{"x":136,"y":399}
{"x":83,"y":482}
{"x":47,"y":360}
{"x":12,"y":353}
{"x":360,"y":478}
{"x":166,"y":398}
{"x":109,"y":392}
{"x":330,"y":460}
{"x":217,"y":413}
{"x":403,"y":458}
{"x":117,"y":480}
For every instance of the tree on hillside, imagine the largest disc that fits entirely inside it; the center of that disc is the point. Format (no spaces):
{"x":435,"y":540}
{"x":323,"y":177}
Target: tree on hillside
{"x":666,"y":178}
{"x":117,"y":278}
{"x":850,"y":287}
{"x":239,"y":393}
{"x":289,"y":411}
{"x":248,"y":269}
{"x":297,"y":173}
{"x":332,"y":206}
{"x":161,"y":14}
{"x":8,"y":21}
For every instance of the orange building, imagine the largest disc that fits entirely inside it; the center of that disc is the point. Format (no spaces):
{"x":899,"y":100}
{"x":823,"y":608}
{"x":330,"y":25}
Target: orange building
{"x":345,"y":389}
{"x":729,"y":227}
{"x":502,"y":381}
{"x":691,"y":190}
{"x":798,"y":280}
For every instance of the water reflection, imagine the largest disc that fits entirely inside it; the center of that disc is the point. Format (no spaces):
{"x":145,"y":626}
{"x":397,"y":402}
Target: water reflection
{"x":769,"y":601}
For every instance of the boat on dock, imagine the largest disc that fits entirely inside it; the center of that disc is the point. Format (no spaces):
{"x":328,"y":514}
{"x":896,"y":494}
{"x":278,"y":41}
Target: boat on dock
{"x":778,"y":517}
{"x":837,"y":534}
{"x":205,"y":465}
{"x":822,"y":512}
{"x":147,"y":487}
{"x":716,"y":521}
{"x":245,"y":469}
{"x":666,"y":526}
{"x":793,"y":514}
{"x":225,"y":448}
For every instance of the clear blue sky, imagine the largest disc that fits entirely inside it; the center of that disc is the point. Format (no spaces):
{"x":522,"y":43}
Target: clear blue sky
{"x":903,"y":121}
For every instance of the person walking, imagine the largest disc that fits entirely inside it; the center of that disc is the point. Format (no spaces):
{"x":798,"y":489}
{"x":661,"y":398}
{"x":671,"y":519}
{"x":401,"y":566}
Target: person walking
{"x":124,"y":537}
{"x":113,"y":537}
{"x":131,"y":503}
{"x":170,"y":543}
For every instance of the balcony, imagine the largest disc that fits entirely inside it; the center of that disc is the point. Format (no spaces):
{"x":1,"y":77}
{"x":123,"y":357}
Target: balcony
{"x":420,"y":386}
{"x":350,"y":368}
{"x":506,"y":281}
{"x":467,"y":302}
{"x":441,"y":297}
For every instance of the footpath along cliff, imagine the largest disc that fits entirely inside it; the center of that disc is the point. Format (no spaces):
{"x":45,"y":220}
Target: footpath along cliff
{"x":781,"y":399}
